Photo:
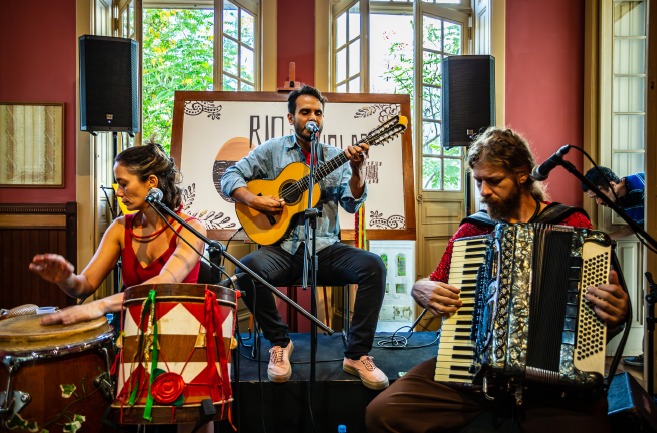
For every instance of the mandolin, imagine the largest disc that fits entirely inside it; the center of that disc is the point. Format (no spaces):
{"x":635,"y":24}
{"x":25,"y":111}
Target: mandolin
{"x":292,"y":185}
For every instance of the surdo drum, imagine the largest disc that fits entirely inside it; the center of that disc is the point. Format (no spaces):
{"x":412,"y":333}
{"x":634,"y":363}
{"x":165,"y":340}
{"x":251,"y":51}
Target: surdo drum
{"x":175,"y":353}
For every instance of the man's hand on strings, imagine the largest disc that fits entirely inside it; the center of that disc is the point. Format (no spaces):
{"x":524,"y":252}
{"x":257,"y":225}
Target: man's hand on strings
{"x":267,"y":203}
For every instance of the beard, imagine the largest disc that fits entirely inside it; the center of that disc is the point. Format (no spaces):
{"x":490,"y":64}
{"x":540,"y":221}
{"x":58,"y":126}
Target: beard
{"x":301,"y":132}
{"x":501,"y":209}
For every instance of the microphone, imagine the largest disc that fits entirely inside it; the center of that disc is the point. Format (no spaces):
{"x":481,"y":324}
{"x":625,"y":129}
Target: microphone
{"x":540,"y":172}
{"x":154,"y":195}
{"x":311,"y":126}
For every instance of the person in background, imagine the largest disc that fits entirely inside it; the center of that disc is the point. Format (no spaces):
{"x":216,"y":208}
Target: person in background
{"x":281,"y":264}
{"x":629,"y":193}
{"x":501,"y":162}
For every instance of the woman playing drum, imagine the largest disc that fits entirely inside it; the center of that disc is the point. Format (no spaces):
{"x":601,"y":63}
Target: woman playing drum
{"x":150,"y":252}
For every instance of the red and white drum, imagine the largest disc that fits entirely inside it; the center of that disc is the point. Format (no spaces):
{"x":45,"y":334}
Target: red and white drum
{"x":176,"y":343}
{"x":54,"y":378}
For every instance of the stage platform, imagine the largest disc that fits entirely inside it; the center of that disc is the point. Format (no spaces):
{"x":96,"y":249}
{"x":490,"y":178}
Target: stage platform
{"x":339,"y":398}
{"x":262,"y":406}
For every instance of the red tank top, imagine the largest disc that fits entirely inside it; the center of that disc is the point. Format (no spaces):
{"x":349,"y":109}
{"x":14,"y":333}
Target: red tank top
{"x":134,"y":273}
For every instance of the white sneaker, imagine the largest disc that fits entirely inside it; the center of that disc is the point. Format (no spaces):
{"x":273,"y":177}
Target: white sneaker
{"x":279,"y":368}
{"x":370,"y":374}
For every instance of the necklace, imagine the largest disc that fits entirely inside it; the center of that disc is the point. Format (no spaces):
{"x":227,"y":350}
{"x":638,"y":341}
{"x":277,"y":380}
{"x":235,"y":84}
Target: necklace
{"x":150,"y":237}
{"x":538,"y":207}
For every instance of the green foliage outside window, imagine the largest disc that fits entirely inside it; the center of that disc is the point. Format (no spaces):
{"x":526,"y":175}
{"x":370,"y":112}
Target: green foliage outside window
{"x":438,"y":172}
{"x":178,"y":55}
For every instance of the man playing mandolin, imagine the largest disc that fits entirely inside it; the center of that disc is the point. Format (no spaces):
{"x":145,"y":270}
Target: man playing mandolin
{"x":280,"y":260}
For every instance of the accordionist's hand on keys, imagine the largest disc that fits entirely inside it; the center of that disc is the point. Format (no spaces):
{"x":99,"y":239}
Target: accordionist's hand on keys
{"x":609,"y":301}
{"x":440,"y":299}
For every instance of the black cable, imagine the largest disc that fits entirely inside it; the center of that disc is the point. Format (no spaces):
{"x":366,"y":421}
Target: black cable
{"x":397,"y":342}
{"x":223,"y":258}
{"x":109,"y":203}
{"x":628,"y":321}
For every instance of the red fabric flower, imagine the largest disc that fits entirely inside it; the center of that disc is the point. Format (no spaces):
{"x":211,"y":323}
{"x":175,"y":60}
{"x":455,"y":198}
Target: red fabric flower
{"x":167,"y":387}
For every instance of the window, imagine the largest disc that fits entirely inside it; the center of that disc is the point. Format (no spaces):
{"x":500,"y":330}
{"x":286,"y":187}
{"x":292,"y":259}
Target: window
{"x":180,"y":42}
{"x":392,"y":63}
{"x":441,"y":168}
{"x":347,"y":36}
{"x":238,"y":40}
{"x":628,"y":106}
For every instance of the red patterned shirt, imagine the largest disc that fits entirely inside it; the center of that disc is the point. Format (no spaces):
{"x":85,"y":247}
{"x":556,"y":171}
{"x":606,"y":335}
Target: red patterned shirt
{"x":441,"y":273}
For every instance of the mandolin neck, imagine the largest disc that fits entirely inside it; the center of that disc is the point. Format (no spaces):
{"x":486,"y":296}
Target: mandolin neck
{"x":323,"y":170}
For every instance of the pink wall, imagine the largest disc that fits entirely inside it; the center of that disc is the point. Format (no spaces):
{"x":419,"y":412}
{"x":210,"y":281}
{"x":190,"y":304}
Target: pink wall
{"x":37,"y":64}
{"x":296,"y":40}
{"x":545,"y":85}
{"x":544,"y":74}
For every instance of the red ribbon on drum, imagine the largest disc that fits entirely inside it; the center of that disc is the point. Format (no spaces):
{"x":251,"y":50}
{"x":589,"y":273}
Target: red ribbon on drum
{"x":214,"y":331}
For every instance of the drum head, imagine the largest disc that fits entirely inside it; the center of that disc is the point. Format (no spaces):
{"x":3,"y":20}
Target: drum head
{"x":22,"y":333}
{"x":178,"y":292}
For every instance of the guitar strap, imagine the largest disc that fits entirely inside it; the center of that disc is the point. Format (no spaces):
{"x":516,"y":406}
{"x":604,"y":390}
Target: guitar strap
{"x":552,"y":214}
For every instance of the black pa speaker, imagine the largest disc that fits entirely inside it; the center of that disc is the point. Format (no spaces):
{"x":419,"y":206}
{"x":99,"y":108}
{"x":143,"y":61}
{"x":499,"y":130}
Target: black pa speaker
{"x":468,"y":99}
{"x":631,"y":408}
{"x":109,"y":97}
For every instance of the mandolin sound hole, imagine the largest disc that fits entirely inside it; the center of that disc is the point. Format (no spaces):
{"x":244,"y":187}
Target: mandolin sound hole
{"x":290,"y":192}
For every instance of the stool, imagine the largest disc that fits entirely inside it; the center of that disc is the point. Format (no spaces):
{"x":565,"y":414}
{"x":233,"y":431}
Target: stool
{"x":292,"y":314}
{"x":346,"y":308}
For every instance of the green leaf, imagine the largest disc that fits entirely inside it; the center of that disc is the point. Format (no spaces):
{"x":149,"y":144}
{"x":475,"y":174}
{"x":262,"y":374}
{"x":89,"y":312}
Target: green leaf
{"x":67,"y":389}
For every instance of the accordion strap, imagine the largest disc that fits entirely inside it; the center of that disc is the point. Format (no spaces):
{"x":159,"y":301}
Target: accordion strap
{"x":553,"y":213}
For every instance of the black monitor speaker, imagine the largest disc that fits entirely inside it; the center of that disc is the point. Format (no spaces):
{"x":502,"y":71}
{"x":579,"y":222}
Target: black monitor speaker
{"x":468,"y":98}
{"x":109,"y":91}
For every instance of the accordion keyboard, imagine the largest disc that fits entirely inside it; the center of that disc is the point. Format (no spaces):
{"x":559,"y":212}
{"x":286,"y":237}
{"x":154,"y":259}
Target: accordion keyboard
{"x":455,"y":347}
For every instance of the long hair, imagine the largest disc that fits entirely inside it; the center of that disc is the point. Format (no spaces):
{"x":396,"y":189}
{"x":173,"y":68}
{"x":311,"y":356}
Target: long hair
{"x":150,"y":158}
{"x":506,"y":149}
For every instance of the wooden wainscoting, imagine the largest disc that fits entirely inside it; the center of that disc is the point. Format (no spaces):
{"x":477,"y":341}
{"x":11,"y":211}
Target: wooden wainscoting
{"x":27,"y":230}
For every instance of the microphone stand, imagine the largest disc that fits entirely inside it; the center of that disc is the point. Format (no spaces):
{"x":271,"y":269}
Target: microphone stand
{"x":215,"y":246}
{"x":650,"y":297}
{"x":310,"y":260}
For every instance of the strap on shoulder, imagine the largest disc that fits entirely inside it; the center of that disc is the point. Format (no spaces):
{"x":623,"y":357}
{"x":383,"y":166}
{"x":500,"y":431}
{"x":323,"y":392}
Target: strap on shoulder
{"x":556,"y":212}
{"x":553,"y":213}
{"x":480,"y":218}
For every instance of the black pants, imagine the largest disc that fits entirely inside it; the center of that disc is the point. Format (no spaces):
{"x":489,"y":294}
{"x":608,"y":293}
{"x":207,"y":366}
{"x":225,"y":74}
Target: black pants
{"x":338,"y":265}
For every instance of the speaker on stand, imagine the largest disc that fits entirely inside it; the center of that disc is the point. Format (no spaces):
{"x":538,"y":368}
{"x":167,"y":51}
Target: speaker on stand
{"x":109,"y":92}
{"x":467,"y":103}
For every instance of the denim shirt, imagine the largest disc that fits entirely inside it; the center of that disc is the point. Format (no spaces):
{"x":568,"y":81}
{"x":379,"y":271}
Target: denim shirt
{"x":267,"y":160}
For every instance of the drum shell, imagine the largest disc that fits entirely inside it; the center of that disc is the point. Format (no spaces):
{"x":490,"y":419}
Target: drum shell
{"x":39,"y":360}
{"x":179,"y":310}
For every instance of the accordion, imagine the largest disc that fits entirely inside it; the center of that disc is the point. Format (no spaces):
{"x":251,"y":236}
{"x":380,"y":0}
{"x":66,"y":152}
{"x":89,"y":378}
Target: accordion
{"x":525,"y":318}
